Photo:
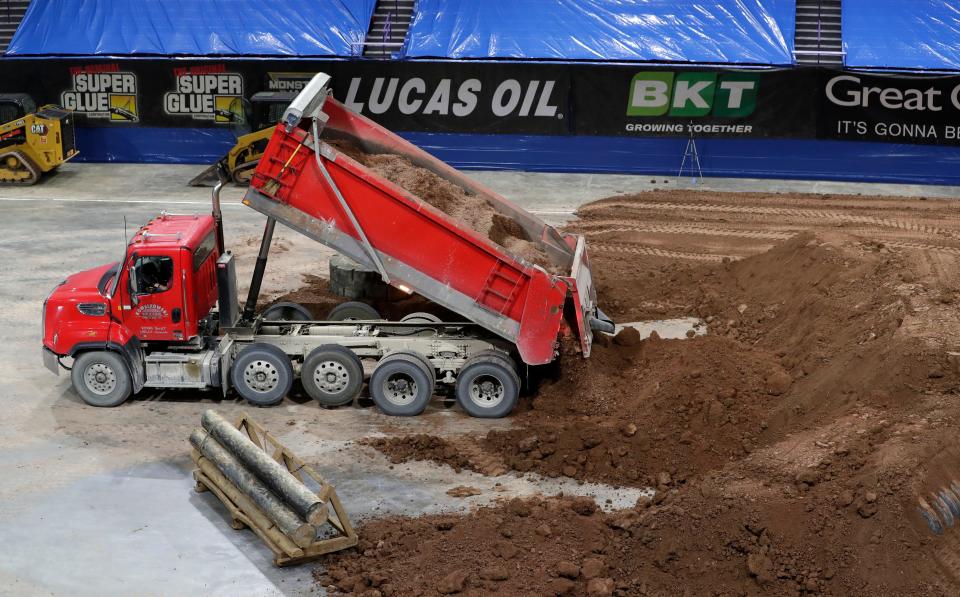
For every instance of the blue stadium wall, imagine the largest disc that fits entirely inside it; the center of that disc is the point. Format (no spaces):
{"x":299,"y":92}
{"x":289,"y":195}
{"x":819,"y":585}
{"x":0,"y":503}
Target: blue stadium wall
{"x":750,"y":158}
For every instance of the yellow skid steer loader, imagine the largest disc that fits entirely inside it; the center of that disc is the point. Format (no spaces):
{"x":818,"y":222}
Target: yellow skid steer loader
{"x":33,"y":141}
{"x":263,"y":113}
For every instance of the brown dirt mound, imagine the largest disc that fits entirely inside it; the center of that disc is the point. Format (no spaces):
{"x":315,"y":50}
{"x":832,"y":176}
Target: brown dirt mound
{"x":526,"y":547}
{"x":472,"y":210}
{"x":790,"y":447}
{"x":628,"y":413}
{"x":698,"y":542}
{"x":420,"y":447}
{"x":801,"y":334}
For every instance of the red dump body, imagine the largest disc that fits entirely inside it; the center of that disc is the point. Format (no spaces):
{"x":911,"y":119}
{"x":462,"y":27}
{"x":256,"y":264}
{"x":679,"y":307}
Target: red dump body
{"x":418,"y":247}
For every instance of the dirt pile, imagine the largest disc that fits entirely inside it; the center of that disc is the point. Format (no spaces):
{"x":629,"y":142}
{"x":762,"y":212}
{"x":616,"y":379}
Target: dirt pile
{"x":526,"y":547}
{"x":792,"y":448}
{"x":782,"y":540}
{"x":799,"y":334}
{"x":630,"y":414}
{"x":420,"y":447}
{"x":474,"y":211}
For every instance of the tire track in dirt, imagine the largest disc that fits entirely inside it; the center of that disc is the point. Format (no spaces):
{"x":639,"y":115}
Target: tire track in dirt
{"x":906,"y":225}
{"x":603,"y":228}
{"x":947,"y":553}
{"x":916,"y":246}
{"x":607,"y":227}
{"x":641,"y":249}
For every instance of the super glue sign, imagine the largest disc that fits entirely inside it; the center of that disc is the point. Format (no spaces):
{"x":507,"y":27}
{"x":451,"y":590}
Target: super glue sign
{"x":206,"y":93}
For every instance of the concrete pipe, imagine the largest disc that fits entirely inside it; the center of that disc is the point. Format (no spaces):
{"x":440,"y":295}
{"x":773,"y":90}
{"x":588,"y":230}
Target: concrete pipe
{"x":286,"y":520}
{"x":274,"y":475}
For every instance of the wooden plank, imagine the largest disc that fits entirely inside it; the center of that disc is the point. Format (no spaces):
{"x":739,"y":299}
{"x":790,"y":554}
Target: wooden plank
{"x":245,"y":513}
{"x":237,"y":503}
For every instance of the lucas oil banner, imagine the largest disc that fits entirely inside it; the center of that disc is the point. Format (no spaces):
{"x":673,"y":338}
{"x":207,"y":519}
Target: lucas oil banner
{"x":485,"y":98}
{"x":511,"y":97}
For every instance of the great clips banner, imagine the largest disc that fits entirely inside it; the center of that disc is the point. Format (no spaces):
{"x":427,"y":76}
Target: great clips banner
{"x":512,"y":98}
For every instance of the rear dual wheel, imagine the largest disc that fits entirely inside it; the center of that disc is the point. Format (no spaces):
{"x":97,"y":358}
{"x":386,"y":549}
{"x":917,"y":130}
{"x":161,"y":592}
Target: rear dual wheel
{"x":402,"y":384}
{"x":287,"y":311}
{"x":353,"y":311}
{"x":332,"y":375}
{"x":488,"y":385}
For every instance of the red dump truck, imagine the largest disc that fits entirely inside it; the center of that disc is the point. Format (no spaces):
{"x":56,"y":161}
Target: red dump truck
{"x":168,"y":314}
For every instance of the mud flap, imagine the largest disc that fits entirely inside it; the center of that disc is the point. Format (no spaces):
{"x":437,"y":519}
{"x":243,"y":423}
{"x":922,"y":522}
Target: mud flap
{"x":50,"y":361}
{"x":226,"y":361}
{"x":134,"y":357}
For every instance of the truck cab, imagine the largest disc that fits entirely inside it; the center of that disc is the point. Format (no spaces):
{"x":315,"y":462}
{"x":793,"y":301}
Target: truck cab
{"x":160,"y":295}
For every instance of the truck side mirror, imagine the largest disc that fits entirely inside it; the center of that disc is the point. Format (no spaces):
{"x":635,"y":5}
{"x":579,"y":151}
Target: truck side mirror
{"x":134,"y":291}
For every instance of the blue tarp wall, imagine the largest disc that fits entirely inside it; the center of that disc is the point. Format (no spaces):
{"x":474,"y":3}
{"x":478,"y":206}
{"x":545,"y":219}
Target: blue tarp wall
{"x":902,"y":34}
{"x":192,"y":27}
{"x":723,"y":32}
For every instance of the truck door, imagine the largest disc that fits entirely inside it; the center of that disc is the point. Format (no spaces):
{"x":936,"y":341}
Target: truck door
{"x":156,"y":299}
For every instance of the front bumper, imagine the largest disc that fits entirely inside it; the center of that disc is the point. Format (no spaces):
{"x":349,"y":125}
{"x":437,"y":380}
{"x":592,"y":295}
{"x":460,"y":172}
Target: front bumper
{"x":51,"y":361}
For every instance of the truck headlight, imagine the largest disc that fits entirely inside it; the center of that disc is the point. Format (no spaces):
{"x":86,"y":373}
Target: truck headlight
{"x":94,"y":309}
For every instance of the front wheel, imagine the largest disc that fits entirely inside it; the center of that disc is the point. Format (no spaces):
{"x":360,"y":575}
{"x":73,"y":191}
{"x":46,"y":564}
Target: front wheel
{"x":101,"y":378}
{"x":262,"y":374}
{"x":488,"y":387}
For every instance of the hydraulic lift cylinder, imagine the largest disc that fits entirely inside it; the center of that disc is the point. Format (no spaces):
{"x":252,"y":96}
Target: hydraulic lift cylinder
{"x":251,"y":305}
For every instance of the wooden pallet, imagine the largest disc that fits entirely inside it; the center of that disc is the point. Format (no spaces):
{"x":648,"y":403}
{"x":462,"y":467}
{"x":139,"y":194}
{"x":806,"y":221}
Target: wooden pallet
{"x":246,"y":514}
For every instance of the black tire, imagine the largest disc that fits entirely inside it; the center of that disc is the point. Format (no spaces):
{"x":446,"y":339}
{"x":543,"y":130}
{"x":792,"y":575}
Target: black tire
{"x":101,"y":378}
{"x":420,"y":317}
{"x":262,"y":374}
{"x":495,"y":354}
{"x":401,"y":385}
{"x":353,"y":311}
{"x":287,"y":311}
{"x":353,"y":281}
{"x":332,"y":375}
{"x":488,"y":387}
{"x":426,"y":363}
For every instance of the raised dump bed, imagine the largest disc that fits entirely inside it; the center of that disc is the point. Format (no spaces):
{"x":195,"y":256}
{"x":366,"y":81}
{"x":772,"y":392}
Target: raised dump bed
{"x":529,"y":294}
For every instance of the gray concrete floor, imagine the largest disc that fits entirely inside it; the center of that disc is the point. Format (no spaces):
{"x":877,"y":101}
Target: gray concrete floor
{"x":100,"y":502}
